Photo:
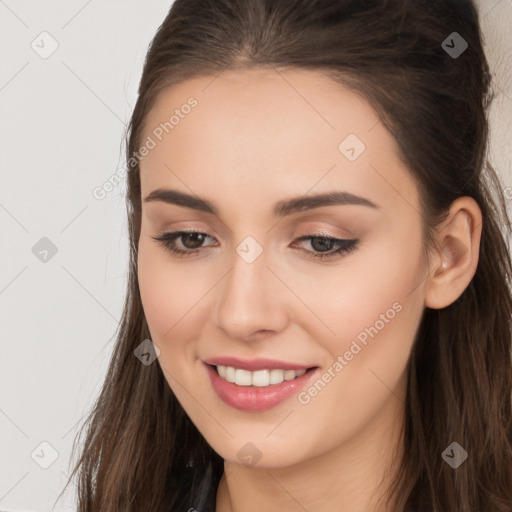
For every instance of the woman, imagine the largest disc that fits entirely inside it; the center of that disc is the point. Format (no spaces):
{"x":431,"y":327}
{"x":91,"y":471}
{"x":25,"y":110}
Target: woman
{"x":318,"y":311}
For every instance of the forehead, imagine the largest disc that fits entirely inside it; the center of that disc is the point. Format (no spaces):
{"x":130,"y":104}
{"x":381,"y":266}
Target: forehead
{"x":264,"y":102}
{"x":272,"y":132}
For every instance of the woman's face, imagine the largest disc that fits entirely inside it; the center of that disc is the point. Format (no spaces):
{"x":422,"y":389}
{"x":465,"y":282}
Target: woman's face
{"x":258,"y":147}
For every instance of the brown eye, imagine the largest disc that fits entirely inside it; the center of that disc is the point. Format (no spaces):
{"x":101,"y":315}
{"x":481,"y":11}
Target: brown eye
{"x":191,"y":241}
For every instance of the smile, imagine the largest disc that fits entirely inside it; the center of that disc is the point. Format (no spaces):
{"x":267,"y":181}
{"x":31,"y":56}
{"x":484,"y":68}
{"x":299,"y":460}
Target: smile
{"x":260,"y":378}
{"x":257,"y":390}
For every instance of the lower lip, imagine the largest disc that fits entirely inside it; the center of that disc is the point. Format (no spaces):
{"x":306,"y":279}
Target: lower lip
{"x":255,"y":398}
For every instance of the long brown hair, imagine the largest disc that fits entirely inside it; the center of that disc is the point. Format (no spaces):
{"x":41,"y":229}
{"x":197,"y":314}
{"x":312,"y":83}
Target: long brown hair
{"x":139,"y":440}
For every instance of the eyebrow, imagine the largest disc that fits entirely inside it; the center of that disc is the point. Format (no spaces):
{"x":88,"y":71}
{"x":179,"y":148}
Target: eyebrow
{"x":281,"y":209}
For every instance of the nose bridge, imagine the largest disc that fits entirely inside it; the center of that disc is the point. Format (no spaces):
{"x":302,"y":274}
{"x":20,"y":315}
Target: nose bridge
{"x":250,"y":300}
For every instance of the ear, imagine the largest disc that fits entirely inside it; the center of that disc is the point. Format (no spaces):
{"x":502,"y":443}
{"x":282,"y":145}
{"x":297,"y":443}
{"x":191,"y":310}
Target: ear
{"x":454,"y":263}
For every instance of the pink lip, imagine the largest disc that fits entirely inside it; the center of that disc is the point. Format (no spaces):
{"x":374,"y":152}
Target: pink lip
{"x":255,"y":364}
{"x":255,"y":398}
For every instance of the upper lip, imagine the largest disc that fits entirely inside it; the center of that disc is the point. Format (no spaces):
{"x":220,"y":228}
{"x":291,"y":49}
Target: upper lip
{"x":255,"y":364}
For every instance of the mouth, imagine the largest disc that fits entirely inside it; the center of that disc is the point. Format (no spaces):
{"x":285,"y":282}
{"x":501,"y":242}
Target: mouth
{"x":260,"y":389}
{"x":258,"y":378}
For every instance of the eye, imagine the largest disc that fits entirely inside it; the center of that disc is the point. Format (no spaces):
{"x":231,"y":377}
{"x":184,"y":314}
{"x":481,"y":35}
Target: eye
{"x":192,"y":242}
{"x":325,"y":245}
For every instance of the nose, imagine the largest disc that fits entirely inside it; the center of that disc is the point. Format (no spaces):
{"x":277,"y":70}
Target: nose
{"x":252,"y":300}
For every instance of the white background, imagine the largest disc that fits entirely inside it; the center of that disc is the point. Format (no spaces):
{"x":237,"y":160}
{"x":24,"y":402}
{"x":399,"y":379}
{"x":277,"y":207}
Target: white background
{"x":62,"y":126}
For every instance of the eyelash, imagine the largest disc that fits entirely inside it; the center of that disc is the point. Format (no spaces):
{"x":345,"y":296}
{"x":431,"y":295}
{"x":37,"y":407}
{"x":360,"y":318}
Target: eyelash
{"x":168,"y":241}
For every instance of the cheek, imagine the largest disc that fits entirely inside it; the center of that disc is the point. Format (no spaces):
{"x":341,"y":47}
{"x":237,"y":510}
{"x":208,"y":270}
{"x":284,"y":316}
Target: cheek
{"x":168,"y":297}
{"x":374,"y":310}
{"x":360,"y":298}
{"x":167,"y":292}
{"x":176,"y":309}
{"x":362,"y":376}
{"x":372,"y":307}
{"x":157,"y":295}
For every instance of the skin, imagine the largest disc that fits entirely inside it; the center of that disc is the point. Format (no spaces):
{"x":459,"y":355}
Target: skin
{"x":335,"y":452}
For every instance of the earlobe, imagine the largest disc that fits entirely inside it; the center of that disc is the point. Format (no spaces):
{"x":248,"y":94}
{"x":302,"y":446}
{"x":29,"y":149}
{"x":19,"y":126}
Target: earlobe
{"x":454,"y":264}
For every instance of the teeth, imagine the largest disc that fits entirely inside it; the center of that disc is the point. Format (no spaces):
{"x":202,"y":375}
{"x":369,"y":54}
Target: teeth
{"x":260,"y":378}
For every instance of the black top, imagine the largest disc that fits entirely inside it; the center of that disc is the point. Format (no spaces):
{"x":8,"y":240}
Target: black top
{"x":206,"y":493}
{"x":201,"y":486}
